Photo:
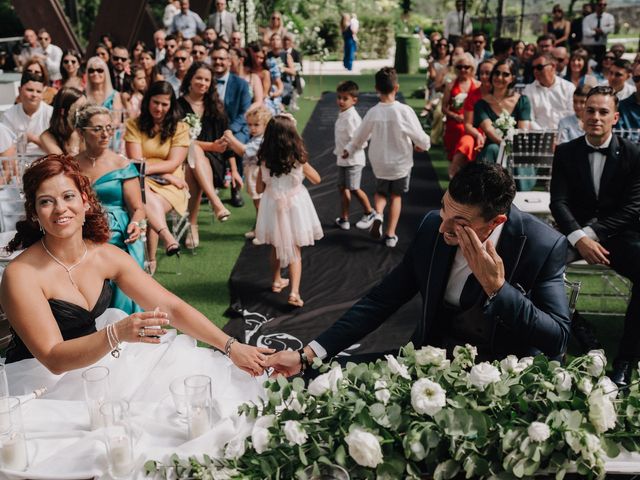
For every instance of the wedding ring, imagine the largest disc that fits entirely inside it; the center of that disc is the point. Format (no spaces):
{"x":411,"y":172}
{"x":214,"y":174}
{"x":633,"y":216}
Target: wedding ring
{"x":141,"y":332}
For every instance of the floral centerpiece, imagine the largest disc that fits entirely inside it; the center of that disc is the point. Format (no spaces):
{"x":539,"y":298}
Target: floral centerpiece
{"x":505,"y":124}
{"x":195,"y":127}
{"x":421,"y":415}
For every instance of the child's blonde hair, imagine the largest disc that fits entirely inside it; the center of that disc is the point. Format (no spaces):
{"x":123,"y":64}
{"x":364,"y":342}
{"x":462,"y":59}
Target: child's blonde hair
{"x":260,"y":113}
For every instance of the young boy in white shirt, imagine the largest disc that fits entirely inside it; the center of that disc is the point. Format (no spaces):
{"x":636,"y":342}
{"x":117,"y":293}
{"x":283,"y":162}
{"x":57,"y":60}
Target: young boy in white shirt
{"x":350,"y":168}
{"x":393,"y":128}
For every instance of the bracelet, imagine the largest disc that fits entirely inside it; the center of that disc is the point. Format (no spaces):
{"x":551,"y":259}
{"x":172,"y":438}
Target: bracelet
{"x":137,"y":224}
{"x":114,"y":341}
{"x":227,"y":346}
{"x":304,"y":360}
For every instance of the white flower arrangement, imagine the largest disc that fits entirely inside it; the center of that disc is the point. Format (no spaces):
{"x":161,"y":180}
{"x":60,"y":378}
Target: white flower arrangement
{"x":505,"y":124}
{"x":195,"y":125}
{"x":421,"y":415}
{"x":458,"y":100}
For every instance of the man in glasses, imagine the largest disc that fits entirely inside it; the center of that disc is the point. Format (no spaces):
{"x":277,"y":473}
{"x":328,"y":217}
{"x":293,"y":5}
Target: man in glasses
{"x":562,"y":60}
{"x":166,"y":65}
{"x":630,"y":106}
{"x":181,"y":63}
{"x":595,"y":29}
{"x":121,"y":80}
{"x":187,"y":22}
{"x":551,"y":97}
{"x":28,"y":49}
{"x":617,"y":78}
{"x":478,"y":48}
{"x":199,"y":51}
{"x":223,"y":22}
{"x":595,"y":200}
{"x":51,"y":54}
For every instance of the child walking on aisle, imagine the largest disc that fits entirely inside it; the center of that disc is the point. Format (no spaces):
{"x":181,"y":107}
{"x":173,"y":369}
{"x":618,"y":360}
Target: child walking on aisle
{"x":287,"y":219}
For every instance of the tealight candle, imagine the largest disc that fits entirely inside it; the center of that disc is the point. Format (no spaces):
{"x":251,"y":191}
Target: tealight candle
{"x":14,"y":452}
{"x":121,"y":456}
{"x":198,"y":422}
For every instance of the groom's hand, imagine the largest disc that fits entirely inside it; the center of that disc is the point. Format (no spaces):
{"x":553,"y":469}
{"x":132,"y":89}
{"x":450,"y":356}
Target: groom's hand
{"x":485,"y":263}
{"x":285,"y":362}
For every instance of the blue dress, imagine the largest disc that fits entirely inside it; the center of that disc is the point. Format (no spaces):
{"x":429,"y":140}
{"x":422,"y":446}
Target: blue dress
{"x":110,"y":191}
{"x":350,"y":48}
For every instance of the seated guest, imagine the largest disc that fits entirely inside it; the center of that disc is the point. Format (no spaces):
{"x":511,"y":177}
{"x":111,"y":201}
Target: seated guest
{"x":572,"y":126}
{"x":561,"y":56}
{"x":619,"y":73}
{"x":159,"y":51}
{"x":488,"y":274}
{"x":121,"y":79}
{"x":71,"y":71}
{"x":151,"y":70}
{"x":138,"y":47}
{"x":601,"y":69}
{"x":166,"y":66}
{"x":99,"y":88}
{"x":159,"y":136}
{"x":478,"y":47}
{"x":240,"y":66}
{"x":209,"y":37}
{"x":7,"y":141}
{"x":199,"y":52}
{"x":595,"y":200}
{"x":181,"y":64}
{"x":501,"y":98}
{"x":545,"y":43}
{"x":116,"y":182}
{"x":630,"y":106}
{"x":30,"y":47}
{"x":551,"y":97}
{"x":52,"y":308}
{"x":31,"y":116}
{"x":61,"y":137}
{"x":37,"y":67}
{"x":578,"y":71}
{"x":236,"y":40}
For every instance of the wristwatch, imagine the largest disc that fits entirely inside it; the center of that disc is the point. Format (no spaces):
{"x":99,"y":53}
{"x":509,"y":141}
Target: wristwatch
{"x":304,"y":360}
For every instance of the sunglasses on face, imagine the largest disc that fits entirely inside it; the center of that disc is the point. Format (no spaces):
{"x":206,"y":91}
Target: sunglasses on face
{"x":44,"y":38}
{"x":119,"y":59}
{"x":498,"y":73}
{"x":463,"y":67}
{"x":478,"y":42}
{"x":180,"y":59}
{"x":100,"y":128}
{"x":70,"y":61}
{"x":95,"y":70}
{"x":540,"y":66}
{"x":609,"y":58}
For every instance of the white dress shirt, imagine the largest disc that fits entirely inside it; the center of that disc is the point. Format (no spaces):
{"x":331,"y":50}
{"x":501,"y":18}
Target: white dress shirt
{"x":346,"y":125}
{"x":453,"y":23}
{"x":549,"y":104}
{"x":222,"y":87}
{"x":589,"y":24}
{"x":18,"y":121}
{"x":7,"y":137}
{"x":53,"y":55}
{"x":596,"y":161}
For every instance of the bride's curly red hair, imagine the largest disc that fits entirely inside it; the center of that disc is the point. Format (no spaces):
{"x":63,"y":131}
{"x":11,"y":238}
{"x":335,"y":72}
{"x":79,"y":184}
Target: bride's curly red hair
{"x":95,"y":227}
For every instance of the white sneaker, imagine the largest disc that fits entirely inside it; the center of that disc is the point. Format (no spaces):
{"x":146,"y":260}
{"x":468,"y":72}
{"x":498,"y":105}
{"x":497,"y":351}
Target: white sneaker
{"x":342,"y":223}
{"x":391,"y":242}
{"x":376,"y":226}
{"x":367,"y":219}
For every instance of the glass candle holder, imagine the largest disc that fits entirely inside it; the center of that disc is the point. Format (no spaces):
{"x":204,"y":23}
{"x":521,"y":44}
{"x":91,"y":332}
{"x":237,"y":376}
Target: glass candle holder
{"x":96,"y":391}
{"x":118,"y":437}
{"x":13,"y":452}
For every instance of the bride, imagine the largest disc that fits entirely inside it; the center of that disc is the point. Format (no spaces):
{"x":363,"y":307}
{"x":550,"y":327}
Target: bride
{"x":54,"y":291}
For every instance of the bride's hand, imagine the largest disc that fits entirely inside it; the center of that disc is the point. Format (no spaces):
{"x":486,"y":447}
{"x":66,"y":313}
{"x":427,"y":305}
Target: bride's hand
{"x":250,"y":359}
{"x":135,"y":328}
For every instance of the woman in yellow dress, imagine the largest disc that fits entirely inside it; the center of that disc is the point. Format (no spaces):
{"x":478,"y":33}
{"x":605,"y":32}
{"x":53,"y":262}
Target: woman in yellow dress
{"x":159,"y":137}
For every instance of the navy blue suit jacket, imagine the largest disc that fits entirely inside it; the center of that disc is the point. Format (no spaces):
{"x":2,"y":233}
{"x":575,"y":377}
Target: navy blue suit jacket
{"x":530,"y":313}
{"x":236,"y":103}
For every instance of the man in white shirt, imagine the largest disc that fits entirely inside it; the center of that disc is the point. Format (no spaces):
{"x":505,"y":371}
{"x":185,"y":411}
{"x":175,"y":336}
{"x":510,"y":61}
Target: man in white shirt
{"x":51,"y":54}
{"x":187,"y":22}
{"x":30,"y":47}
{"x":29,"y":118}
{"x":551,"y":97}
{"x":595,"y":28}
{"x":158,"y":41}
{"x":224,"y":22}
{"x":457,"y":24}
{"x":617,"y":78}
{"x":595,"y":200}
{"x":562,"y":60}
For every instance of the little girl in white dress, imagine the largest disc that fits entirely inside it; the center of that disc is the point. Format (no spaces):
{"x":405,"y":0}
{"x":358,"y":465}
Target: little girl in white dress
{"x":287,"y":219}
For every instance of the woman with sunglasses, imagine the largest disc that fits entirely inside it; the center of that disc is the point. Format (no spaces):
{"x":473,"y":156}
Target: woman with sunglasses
{"x":559,"y":26}
{"x":501,"y":98}
{"x":71,"y":71}
{"x":37,"y":67}
{"x":436,"y":74}
{"x":61,"y":138}
{"x":601,"y":72}
{"x":453,"y":98}
{"x":99,"y":88}
{"x":275,"y":26}
{"x":116,"y":182}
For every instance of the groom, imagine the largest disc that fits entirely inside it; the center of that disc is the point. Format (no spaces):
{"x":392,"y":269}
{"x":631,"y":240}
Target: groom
{"x":488,"y":274}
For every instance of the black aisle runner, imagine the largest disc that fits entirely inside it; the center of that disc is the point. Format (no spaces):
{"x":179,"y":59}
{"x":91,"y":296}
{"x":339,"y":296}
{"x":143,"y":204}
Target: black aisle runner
{"x":341,"y":267}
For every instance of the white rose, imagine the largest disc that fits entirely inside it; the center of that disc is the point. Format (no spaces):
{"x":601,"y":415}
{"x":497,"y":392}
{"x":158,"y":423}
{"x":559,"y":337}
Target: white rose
{"x":431,"y":356}
{"x":467,"y":350}
{"x":417,"y":448}
{"x":396,"y":367}
{"x":538,"y":432}
{"x":608,"y":388}
{"x":235,"y":448}
{"x":325,"y":382}
{"x":364,"y":448}
{"x":602,"y":412}
{"x":596,"y":362}
{"x":526,"y":362}
{"x":427,"y":397}
{"x":509,"y":364}
{"x":585,"y":385}
{"x":294,"y":432}
{"x":260,"y":435}
{"x":483,"y":374}
{"x":590,"y":444}
{"x":382,"y":392}
{"x":562,"y":380}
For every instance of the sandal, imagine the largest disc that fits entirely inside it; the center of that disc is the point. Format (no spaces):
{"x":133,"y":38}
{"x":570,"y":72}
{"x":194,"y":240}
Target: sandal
{"x":192,"y":241}
{"x":295,"y":300}
{"x":277,"y":287}
{"x":152,"y":265}
{"x":223,"y":216}
{"x":173,"y":249}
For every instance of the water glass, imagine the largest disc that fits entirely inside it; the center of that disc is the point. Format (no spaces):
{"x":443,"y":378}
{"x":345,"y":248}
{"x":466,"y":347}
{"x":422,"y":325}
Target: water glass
{"x":180,"y":399}
{"x":96,"y":391}
{"x":199,"y":404}
{"x":118,"y":437}
{"x":321,"y":471}
{"x":13,"y":453}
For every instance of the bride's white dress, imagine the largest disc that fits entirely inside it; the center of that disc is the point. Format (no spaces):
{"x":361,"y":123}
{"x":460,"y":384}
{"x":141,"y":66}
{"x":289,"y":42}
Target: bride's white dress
{"x":59,"y":439}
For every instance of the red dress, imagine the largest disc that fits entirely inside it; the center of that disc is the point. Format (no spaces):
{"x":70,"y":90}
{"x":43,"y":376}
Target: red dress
{"x":466,"y":143}
{"x":455,"y":130}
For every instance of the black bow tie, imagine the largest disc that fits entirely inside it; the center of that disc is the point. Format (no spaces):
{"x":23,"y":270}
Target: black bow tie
{"x":220,"y":82}
{"x":601,"y":151}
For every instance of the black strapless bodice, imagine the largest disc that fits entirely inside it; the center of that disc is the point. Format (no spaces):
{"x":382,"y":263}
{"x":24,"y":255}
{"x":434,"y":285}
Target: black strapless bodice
{"x":73,"y":320}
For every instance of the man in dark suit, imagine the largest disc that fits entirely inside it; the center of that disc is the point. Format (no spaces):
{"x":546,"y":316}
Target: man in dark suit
{"x":595,"y":200}
{"x":237,"y":99}
{"x":120,"y":60}
{"x":489,"y":275}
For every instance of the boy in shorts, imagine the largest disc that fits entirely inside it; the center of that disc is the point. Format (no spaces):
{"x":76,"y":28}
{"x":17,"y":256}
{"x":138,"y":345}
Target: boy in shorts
{"x":350,"y":168}
{"x":393,"y":128}
{"x":257,"y":120}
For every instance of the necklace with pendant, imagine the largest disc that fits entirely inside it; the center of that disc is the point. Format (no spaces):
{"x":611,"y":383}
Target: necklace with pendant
{"x":68,"y":269}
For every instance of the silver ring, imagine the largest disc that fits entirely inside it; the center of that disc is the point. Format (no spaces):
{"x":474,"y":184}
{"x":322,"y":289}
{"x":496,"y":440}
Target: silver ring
{"x":141,"y":332}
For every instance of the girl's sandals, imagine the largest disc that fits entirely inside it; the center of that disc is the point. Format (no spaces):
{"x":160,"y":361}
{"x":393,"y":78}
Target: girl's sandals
{"x":223,"y":215}
{"x":295,"y":300}
{"x":192,"y":241}
{"x":277,"y":287}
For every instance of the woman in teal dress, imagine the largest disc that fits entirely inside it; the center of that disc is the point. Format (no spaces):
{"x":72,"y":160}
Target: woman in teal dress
{"x":500,"y":98}
{"x":116,"y":182}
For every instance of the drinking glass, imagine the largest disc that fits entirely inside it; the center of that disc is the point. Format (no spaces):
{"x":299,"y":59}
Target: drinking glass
{"x":118,"y":436}
{"x":180,"y":399}
{"x":322,"y":471}
{"x":199,"y":404}
{"x":96,"y":392}
{"x":13,"y":452}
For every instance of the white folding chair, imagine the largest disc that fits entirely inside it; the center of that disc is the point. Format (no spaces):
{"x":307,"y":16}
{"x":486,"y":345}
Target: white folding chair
{"x":631,"y":134}
{"x":609,"y":295}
